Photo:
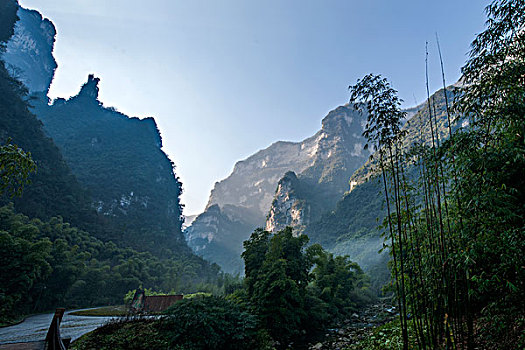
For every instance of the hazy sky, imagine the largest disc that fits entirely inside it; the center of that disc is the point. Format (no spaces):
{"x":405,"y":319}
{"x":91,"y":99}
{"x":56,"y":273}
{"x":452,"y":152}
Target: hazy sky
{"x":224,"y":78}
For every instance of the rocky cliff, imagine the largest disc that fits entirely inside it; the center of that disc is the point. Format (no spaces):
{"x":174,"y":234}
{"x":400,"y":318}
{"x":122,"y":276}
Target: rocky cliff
{"x":253,"y":180}
{"x":29,"y":52}
{"x":108,"y":177}
{"x":315,"y":190}
{"x":323,"y":162}
{"x":246,"y":195}
{"x":118,"y":159}
{"x":218,"y":233}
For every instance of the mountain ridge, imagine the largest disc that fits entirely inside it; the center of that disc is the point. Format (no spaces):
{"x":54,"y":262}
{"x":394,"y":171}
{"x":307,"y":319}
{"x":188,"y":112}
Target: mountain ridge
{"x":251,"y":185}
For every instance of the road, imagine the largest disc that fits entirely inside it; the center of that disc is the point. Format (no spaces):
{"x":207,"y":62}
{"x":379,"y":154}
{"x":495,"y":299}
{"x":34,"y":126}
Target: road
{"x":35,"y":327}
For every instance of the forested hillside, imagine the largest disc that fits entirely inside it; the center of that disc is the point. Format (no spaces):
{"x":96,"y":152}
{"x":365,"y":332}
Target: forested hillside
{"x":353,"y":227}
{"x":119,"y":160}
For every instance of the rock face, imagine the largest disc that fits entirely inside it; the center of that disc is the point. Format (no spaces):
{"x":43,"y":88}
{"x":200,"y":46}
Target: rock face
{"x":340,"y":151}
{"x":240,"y":203}
{"x":218,"y":233}
{"x":288,"y":209}
{"x":252,"y":182}
{"x":29,"y":52}
{"x":324,"y":163}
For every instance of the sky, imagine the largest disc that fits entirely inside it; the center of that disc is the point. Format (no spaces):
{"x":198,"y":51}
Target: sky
{"x":224,"y":79}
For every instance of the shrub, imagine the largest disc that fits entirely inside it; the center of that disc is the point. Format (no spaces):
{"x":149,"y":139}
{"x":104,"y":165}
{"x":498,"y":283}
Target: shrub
{"x":210,"y":322}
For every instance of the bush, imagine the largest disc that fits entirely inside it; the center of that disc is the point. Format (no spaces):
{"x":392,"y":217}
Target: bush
{"x":135,"y":334}
{"x":210,"y":322}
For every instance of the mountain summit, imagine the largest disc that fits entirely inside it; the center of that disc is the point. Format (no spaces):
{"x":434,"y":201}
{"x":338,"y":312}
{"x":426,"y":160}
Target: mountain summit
{"x":29,"y":52}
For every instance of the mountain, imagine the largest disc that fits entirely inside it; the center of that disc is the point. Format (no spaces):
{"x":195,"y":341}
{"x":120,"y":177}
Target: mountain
{"x":101,"y":215}
{"x":227,"y":228}
{"x":125,"y":188}
{"x":304,"y":196}
{"x":121,"y":163}
{"x":240,"y":203}
{"x":54,"y":190}
{"x":243,"y":200}
{"x":29,"y":52}
{"x":352,"y":226}
{"x":328,"y":192}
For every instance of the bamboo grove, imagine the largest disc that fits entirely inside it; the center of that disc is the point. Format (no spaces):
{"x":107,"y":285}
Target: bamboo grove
{"x":455,"y":200}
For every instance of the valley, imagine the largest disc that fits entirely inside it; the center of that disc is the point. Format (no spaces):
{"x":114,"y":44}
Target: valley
{"x":390,"y":227}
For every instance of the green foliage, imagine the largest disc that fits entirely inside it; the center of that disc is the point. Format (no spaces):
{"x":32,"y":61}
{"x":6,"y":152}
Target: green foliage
{"x":53,"y":190}
{"x":289,"y":297}
{"x":15,"y":167}
{"x":147,"y":291}
{"x":384,"y":337}
{"x":136,"y":334}
{"x":276,"y":279}
{"x":51,"y":263}
{"x":339,"y":283}
{"x":209,"y":323}
{"x":24,"y":259}
{"x":374,"y":96}
{"x":456,"y":230}
{"x":204,"y":322}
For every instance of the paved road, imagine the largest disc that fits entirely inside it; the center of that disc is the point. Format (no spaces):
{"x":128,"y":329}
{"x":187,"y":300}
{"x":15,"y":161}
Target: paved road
{"x":35,"y":327}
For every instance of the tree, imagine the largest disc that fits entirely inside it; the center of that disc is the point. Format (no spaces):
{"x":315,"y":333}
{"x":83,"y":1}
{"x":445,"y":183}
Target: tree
{"x":15,"y":168}
{"x":375,"y":96}
{"x":209,"y":322}
{"x":276,"y":271}
{"x":337,"y":281}
{"x":289,"y":297}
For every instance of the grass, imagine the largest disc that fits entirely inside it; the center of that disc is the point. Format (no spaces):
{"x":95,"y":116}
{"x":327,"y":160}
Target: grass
{"x":118,"y":310}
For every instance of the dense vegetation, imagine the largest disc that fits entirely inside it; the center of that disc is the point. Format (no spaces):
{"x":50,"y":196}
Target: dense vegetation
{"x":291,"y":294}
{"x":352,"y":228}
{"x":198,"y":323}
{"x":456,"y":232}
{"x":296,"y":289}
{"x":119,"y":160}
{"x":50,"y":263}
{"x":53,"y":189}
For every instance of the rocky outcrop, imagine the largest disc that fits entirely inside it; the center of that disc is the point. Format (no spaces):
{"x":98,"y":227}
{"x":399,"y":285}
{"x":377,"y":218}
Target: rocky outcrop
{"x":29,"y":52}
{"x":248,"y":190}
{"x":314,"y":191}
{"x":288,"y":208}
{"x":253,"y":180}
